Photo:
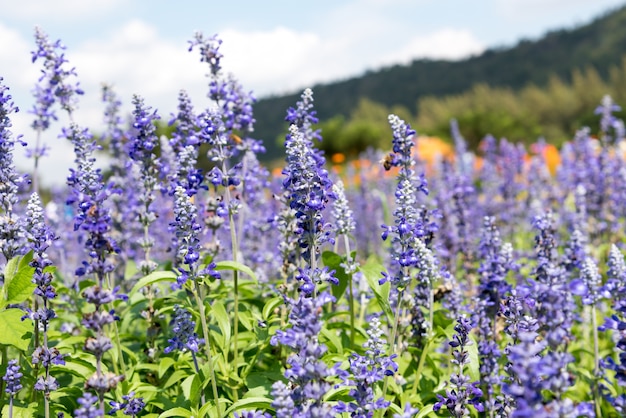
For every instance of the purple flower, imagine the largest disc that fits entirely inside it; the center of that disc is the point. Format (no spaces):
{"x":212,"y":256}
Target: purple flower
{"x":13,"y":377}
{"x":46,"y":384}
{"x":344,"y":218}
{"x":10,"y":229}
{"x":89,"y":195}
{"x":252,"y":414}
{"x":48,"y":356}
{"x":307,"y":184}
{"x":185,"y":336}
{"x":608,"y":120}
{"x":142,"y":150}
{"x":40,"y":238}
{"x":307,"y":373}
{"x":365,"y":372}
{"x":589,"y":284}
{"x":408,"y":229}
{"x":462,"y":392}
{"x":88,"y":407}
{"x":209,"y":50}
{"x":53,"y":83}
{"x":131,"y":405}
{"x":99,"y":296}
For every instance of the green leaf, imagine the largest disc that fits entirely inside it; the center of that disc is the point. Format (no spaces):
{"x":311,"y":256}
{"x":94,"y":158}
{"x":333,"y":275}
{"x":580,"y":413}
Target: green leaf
{"x":333,"y":262}
{"x":164,"y":364}
{"x":372,"y":271}
{"x":155,"y":277}
{"x":11,"y":268}
{"x":192,"y":388}
{"x":210,"y":410}
{"x":174,"y":378}
{"x":18,"y":277}
{"x":176,"y":412}
{"x":223,"y":322}
{"x":234,"y":265}
{"x":473,"y":367}
{"x":270,"y":306}
{"x":14,"y":331}
{"x":425,"y":411}
{"x":250,"y":403}
{"x":20,"y":412}
{"x":77,"y":367}
{"x":21,"y":285}
{"x":334,"y":341}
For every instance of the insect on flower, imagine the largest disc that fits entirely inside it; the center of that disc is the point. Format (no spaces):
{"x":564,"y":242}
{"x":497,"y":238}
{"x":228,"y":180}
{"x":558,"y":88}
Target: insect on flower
{"x":441,"y":291}
{"x":236,"y":139}
{"x":92,"y":211}
{"x":387,"y":161}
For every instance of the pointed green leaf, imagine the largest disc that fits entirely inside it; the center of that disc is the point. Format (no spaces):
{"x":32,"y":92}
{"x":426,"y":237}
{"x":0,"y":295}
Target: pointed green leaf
{"x":372,"y":271}
{"x":155,"y":277}
{"x":219,"y":312}
{"x":423,"y":412}
{"x":270,"y":306}
{"x":11,"y":268}
{"x":14,"y":331}
{"x":176,"y":412}
{"x":18,"y":277}
{"x":234,"y":265}
{"x":21,"y":286}
{"x":164,"y":364}
{"x":251,"y":403}
{"x":21,"y":412}
{"x":192,"y":388}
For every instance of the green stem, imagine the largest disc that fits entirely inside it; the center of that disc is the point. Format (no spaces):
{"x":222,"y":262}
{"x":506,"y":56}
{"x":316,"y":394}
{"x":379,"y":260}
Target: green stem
{"x":392,"y":340}
{"x":420,"y":367}
{"x":207,"y":345}
{"x":195,"y":365}
{"x":346,"y":242}
{"x":36,"y":163}
{"x":596,"y":361}
{"x":235,"y":251}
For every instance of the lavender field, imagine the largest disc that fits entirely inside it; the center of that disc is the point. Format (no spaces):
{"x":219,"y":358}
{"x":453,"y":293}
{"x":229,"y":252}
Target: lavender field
{"x":475,"y":284}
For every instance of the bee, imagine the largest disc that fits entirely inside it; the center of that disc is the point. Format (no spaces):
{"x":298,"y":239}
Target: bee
{"x":387,"y":161}
{"x":441,"y":291}
{"x":92,"y":211}
{"x":236,"y":139}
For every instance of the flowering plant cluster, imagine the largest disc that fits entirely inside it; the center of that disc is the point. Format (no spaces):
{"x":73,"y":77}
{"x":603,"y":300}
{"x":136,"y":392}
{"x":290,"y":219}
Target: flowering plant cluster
{"x":158,"y":287}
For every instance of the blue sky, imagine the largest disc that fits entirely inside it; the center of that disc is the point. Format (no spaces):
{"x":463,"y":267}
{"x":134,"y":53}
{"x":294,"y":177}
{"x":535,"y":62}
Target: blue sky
{"x":272,"y":47}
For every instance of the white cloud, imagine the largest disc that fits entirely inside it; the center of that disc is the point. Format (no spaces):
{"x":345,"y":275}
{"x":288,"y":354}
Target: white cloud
{"x":446,"y":43}
{"x":15,"y":58}
{"x":58,"y":9}
{"x":136,"y":58}
{"x":278,"y":59}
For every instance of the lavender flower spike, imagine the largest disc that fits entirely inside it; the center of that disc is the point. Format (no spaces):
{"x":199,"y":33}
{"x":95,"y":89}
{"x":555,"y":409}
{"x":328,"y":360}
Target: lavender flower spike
{"x":463,"y":393}
{"x":13,"y":378}
{"x":185,"y":337}
{"x":10,"y":180}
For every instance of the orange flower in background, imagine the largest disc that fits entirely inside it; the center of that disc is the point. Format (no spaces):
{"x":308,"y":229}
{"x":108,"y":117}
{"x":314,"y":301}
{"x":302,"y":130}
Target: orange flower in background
{"x":277,"y":172}
{"x":338,"y":158}
{"x":552,"y":157}
{"x":430,"y":149}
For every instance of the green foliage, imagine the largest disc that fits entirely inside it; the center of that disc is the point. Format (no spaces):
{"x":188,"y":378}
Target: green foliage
{"x":559,"y":55}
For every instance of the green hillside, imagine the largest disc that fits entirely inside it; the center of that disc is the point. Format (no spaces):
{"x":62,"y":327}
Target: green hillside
{"x":598,"y":46}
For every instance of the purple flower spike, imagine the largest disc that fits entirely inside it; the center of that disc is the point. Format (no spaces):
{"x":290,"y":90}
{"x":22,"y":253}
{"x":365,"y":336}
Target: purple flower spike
{"x":13,"y":377}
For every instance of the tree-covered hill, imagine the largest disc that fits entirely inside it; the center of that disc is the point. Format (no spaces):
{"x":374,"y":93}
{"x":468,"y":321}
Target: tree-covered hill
{"x":598,"y":45}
